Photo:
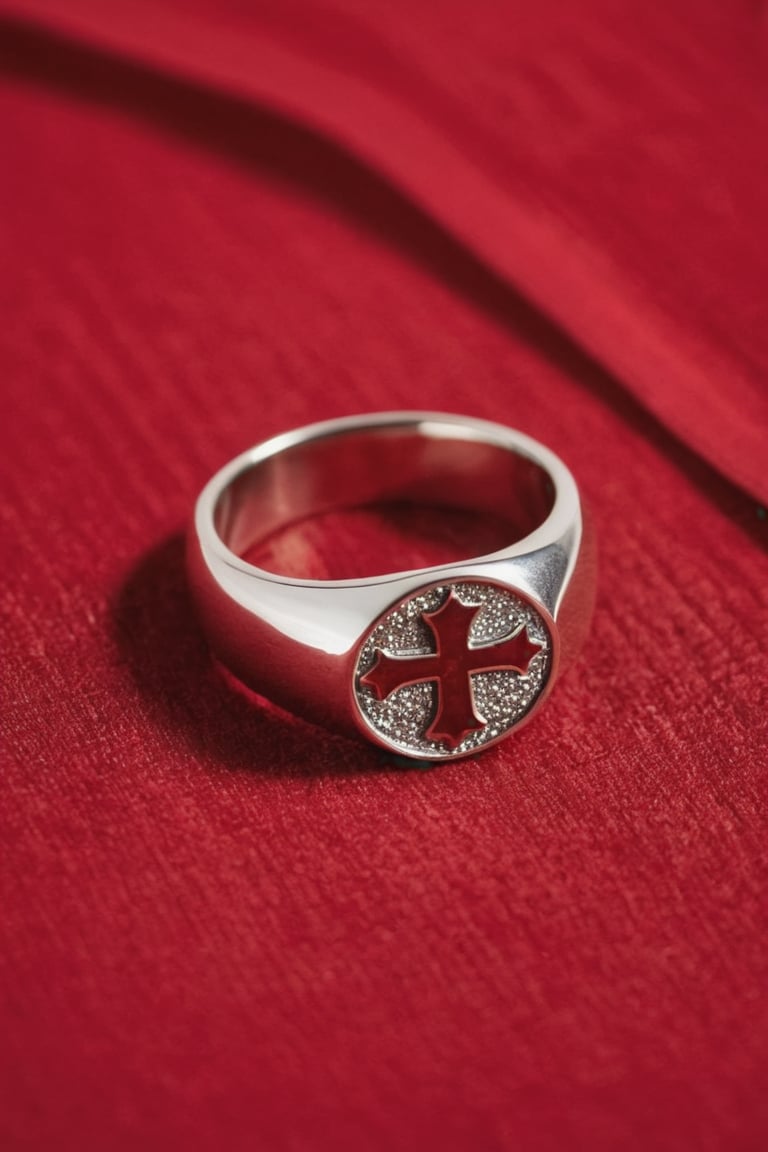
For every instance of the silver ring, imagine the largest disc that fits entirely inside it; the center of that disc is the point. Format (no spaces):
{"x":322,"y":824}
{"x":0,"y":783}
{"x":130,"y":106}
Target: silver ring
{"x":435,"y":663}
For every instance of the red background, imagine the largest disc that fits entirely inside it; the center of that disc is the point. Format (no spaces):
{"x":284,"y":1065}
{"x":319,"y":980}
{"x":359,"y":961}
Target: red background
{"x":226,"y":928}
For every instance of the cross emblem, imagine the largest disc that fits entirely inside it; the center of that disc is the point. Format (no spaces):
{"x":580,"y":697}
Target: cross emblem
{"x":451,"y":666}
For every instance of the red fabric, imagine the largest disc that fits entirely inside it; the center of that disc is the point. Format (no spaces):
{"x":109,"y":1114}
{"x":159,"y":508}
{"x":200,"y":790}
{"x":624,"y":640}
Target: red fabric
{"x":224,"y":927}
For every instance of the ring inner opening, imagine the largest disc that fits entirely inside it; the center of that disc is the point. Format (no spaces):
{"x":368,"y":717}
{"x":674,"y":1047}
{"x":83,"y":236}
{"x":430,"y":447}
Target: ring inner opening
{"x":360,"y":504}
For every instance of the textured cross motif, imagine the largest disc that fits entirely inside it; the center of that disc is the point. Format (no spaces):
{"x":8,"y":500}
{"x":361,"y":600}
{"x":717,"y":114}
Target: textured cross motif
{"x":450,"y":666}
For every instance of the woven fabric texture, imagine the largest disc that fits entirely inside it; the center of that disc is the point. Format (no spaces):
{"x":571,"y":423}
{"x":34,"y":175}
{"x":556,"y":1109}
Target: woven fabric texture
{"x":226,"y":928}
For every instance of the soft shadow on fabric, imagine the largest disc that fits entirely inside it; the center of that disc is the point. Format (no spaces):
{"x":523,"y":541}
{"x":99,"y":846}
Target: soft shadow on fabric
{"x":186,"y":693}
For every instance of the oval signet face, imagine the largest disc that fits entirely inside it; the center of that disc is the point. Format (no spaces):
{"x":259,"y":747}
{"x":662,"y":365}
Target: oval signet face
{"x":451,"y":669}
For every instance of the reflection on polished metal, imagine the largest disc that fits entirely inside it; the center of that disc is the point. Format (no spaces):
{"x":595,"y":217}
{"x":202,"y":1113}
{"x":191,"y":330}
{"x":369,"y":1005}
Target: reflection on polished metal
{"x":434,"y":663}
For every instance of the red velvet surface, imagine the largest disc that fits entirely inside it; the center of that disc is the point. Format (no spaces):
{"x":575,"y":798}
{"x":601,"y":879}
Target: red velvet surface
{"x":225,"y":927}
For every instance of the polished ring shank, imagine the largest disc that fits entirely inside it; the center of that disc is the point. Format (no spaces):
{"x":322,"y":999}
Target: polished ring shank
{"x":433,"y":663}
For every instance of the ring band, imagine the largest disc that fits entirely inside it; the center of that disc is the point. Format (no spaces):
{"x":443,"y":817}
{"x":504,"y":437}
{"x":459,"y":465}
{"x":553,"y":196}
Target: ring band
{"x":434,"y":663}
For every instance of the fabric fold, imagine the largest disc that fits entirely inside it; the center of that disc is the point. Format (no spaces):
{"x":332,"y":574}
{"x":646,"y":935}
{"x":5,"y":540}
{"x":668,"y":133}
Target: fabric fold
{"x":486,"y":173}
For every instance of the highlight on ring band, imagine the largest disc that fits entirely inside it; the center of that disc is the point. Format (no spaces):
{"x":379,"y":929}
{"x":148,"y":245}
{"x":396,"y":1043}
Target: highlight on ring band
{"x":435,"y":663}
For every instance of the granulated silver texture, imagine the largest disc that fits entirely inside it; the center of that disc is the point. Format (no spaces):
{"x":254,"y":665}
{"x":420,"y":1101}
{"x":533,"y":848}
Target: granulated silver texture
{"x":501,"y":698}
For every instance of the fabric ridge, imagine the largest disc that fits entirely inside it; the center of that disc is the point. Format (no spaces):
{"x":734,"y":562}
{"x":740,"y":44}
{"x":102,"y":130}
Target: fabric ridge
{"x":224,"y":927}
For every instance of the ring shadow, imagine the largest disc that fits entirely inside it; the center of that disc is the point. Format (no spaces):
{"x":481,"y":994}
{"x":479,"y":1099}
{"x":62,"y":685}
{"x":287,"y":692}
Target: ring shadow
{"x":223,"y":723}
{"x":154,"y":620}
